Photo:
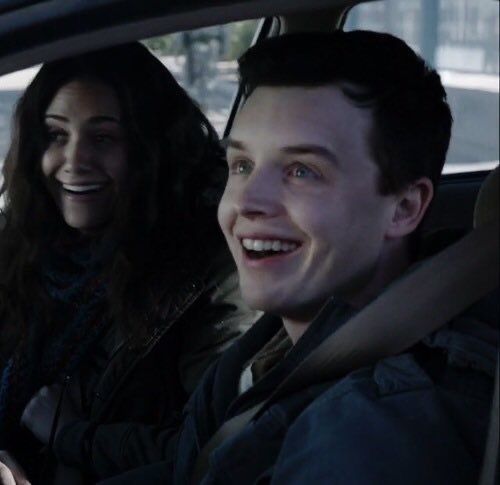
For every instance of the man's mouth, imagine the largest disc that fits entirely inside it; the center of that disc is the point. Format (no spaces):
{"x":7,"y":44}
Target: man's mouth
{"x":265,"y":248}
{"x":82,"y":189}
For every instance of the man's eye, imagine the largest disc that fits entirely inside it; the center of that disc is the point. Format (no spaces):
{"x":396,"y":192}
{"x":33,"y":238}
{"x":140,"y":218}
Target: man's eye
{"x":301,"y":171}
{"x":240,"y":167}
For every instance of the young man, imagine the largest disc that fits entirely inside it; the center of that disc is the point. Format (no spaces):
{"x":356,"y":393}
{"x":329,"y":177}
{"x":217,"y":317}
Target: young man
{"x":333,"y":162}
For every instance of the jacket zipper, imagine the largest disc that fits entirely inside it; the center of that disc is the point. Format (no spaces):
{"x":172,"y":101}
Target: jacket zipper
{"x":155,"y":337}
{"x":55,"y":421}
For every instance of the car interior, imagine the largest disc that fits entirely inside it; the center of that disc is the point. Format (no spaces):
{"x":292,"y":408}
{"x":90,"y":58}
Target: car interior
{"x":35,"y":31}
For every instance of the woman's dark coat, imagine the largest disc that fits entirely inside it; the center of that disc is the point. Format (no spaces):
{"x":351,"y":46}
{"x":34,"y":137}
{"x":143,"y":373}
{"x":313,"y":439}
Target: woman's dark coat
{"x":137,"y":397}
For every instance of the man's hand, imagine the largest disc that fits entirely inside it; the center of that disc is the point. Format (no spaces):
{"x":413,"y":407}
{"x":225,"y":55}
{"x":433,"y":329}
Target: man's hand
{"x":39,"y":413}
{"x":11,"y":472}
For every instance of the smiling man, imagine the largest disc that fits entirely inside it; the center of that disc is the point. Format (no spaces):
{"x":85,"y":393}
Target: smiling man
{"x":303,"y":213}
{"x":333,"y":161}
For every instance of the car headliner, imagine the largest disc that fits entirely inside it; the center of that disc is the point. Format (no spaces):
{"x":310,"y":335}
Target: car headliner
{"x":33,"y":31}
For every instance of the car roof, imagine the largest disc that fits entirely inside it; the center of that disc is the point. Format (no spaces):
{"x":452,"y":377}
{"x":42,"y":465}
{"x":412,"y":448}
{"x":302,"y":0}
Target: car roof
{"x":33,"y":31}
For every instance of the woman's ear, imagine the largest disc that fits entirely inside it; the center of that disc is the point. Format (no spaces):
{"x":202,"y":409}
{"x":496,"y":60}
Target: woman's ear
{"x":411,"y":206}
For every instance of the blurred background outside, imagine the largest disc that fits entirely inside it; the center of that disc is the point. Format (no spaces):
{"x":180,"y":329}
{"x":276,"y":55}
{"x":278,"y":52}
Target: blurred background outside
{"x":203,"y":61}
{"x":460,"y":39}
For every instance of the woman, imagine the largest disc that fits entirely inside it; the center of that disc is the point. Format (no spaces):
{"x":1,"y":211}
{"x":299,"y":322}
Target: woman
{"x":115,"y":288}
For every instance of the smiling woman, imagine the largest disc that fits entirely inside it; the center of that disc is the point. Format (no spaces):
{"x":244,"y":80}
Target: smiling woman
{"x":116,"y":289}
{"x":85,"y":163}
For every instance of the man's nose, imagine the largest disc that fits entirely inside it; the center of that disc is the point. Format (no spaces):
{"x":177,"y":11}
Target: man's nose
{"x":77,"y":156}
{"x":260,"y":195}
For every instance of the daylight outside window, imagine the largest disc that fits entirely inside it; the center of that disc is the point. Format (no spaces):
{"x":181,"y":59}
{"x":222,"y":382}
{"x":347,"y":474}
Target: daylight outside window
{"x":460,"y":39}
{"x":203,"y":61}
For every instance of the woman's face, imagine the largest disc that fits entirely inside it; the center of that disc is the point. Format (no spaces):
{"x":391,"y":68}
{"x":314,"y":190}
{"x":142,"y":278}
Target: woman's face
{"x":85,"y":162}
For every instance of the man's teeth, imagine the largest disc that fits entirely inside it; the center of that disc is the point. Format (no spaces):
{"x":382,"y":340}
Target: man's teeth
{"x":82,"y":188}
{"x":268,"y":245}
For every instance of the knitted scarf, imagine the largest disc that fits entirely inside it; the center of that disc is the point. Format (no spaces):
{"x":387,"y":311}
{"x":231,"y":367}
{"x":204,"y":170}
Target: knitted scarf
{"x":71,"y":277}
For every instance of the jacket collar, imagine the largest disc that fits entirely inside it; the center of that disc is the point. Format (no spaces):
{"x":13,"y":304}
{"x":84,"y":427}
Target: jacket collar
{"x":331,"y":317}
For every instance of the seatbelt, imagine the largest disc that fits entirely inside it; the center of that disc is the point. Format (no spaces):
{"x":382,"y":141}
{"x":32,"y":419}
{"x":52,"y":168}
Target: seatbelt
{"x":489,"y":472}
{"x":411,"y":308}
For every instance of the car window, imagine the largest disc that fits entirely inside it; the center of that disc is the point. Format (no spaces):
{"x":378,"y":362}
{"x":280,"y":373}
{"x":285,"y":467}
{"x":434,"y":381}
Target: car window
{"x":460,"y":39}
{"x":203,"y":61}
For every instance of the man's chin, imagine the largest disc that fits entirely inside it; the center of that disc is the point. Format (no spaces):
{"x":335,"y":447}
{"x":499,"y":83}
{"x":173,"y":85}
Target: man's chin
{"x":261,"y":302}
{"x":288,"y":307}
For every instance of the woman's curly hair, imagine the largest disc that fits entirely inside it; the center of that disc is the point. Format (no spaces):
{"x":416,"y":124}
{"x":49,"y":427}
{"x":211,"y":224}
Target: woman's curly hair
{"x":164,"y":225}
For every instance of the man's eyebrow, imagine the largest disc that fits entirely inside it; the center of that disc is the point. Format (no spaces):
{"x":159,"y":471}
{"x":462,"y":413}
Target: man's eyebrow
{"x":300,"y":149}
{"x":93,"y":119}
{"x":229,"y":142}
{"x":310,"y":149}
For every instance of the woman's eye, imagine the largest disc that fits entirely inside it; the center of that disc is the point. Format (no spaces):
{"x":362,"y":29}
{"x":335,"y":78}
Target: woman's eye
{"x":103,"y":137}
{"x":56,"y":136}
{"x":301,"y":171}
{"x":240,"y":167}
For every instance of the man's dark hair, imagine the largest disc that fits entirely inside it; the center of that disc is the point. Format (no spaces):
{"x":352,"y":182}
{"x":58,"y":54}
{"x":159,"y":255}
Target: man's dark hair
{"x":412,"y":120}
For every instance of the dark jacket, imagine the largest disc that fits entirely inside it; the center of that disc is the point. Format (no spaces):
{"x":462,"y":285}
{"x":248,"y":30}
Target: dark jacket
{"x":420,"y":417}
{"x":143,"y":388}
{"x":415,"y":418}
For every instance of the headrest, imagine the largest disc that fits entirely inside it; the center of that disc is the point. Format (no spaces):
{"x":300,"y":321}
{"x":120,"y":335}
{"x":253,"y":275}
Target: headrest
{"x":486,"y":209}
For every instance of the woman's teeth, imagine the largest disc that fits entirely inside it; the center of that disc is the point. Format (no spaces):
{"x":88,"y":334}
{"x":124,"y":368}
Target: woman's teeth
{"x":82,"y":188}
{"x":268,"y":245}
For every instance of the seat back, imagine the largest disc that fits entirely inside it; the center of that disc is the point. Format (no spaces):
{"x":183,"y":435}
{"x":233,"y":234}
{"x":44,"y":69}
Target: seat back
{"x":487,"y":202}
{"x":487,"y":211}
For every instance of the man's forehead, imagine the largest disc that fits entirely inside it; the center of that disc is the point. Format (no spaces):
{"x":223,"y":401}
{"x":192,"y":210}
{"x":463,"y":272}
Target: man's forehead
{"x":285,"y":109}
{"x":290,"y":116}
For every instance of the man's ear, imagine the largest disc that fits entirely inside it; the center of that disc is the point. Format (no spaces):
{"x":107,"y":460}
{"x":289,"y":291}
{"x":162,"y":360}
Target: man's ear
{"x":412,"y":204}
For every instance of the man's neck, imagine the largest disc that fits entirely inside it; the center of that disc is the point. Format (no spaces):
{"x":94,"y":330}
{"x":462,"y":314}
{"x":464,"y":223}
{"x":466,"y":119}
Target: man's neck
{"x":389,"y":267}
{"x":295,"y":328}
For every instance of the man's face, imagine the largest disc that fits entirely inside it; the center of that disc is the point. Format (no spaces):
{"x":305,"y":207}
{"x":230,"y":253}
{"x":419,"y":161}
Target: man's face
{"x":301,"y":211}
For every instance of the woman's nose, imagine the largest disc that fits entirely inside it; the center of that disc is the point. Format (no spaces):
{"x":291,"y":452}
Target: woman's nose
{"x":77,"y":156}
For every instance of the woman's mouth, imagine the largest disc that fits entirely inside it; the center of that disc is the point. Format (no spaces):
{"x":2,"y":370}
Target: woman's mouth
{"x":82,"y":189}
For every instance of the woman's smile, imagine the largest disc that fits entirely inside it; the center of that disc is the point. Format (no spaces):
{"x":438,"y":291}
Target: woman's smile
{"x":85,"y":163}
